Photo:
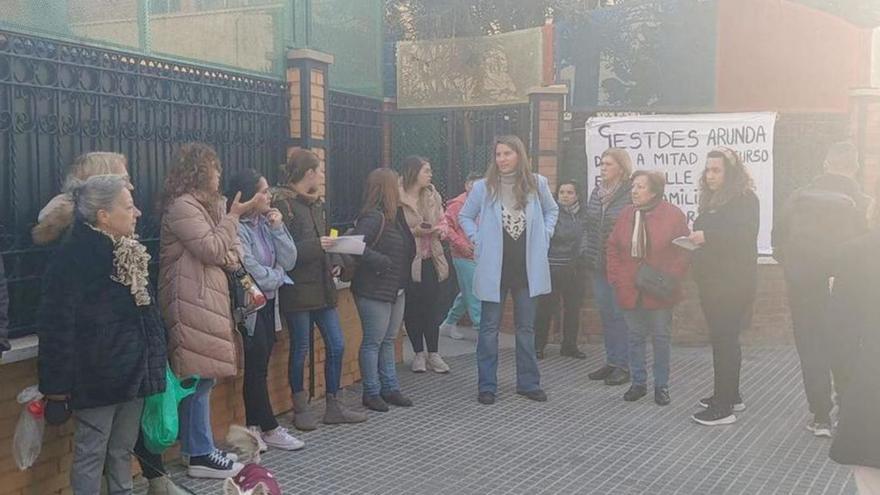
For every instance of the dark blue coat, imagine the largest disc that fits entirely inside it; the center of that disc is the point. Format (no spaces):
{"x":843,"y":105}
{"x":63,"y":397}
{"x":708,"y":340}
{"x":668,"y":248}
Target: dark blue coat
{"x":601,"y":222}
{"x":96,"y":344}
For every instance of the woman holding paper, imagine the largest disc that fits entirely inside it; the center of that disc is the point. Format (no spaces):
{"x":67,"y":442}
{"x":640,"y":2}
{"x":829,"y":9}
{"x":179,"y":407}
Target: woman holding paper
{"x":382,"y":276}
{"x":311,"y":299}
{"x":640,"y":247}
{"x":423,"y":208}
{"x":510,"y":216}
{"x":267,"y":253}
{"x":606,"y":202}
{"x":726,"y":272}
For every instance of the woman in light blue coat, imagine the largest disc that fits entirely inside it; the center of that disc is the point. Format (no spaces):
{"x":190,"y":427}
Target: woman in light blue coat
{"x":509,"y":217}
{"x":268,"y":252}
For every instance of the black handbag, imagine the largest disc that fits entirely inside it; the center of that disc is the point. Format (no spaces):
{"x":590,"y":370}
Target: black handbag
{"x":245,"y":295}
{"x":656,"y":283}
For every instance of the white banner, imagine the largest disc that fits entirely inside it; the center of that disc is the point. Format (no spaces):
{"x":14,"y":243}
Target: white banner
{"x":678,"y":144}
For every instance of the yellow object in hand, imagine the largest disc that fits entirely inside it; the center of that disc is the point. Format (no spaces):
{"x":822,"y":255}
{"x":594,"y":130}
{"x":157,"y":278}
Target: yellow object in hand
{"x":334,"y":233}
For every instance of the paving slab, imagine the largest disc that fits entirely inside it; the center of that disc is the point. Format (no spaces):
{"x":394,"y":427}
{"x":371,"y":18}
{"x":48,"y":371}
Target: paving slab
{"x":585,"y":439}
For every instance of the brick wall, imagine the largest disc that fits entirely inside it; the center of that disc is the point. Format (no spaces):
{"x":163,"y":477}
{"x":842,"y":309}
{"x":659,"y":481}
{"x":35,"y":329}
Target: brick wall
{"x":51,"y":473}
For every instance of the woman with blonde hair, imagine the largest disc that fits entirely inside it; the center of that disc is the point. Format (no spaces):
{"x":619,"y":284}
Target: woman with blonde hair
{"x":198,"y":246}
{"x":58,"y":216}
{"x":510,"y":216}
{"x":607,"y":200}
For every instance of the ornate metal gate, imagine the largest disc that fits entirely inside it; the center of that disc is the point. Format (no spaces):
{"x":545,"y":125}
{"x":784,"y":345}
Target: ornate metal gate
{"x":59,"y":99}
{"x":455,"y":141}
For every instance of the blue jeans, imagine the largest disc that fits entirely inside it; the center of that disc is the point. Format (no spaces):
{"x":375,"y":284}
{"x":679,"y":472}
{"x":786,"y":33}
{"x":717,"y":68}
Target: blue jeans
{"x":465,"y":300}
{"x":613,"y":325}
{"x":299,"y":324}
{"x":658,"y":324}
{"x":380,"y":322}
{"x":196,"y":437}
{"x":528,"y":378}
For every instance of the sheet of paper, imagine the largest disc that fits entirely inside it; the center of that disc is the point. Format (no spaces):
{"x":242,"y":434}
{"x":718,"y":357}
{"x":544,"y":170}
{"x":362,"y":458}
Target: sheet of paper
{"x":348,"y":244}
{"x":685,"y":243}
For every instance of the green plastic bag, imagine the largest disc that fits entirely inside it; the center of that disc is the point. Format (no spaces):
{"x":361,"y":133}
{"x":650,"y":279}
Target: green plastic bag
{"x":159,"y":421}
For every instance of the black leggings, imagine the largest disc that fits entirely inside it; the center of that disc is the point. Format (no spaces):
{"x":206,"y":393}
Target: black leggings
{"x":568,"y":287}
{"x":726,"y":320}
{"x":421,"y":314}
{"x":151,"y":464}
{"x":257,"y":350}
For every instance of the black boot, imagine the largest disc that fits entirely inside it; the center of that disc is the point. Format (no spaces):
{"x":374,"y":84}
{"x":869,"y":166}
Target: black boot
{"x":661,"y":396}
{"x":618,"y":376}
{"x":374,"y":403}
{"x":635,"y":393}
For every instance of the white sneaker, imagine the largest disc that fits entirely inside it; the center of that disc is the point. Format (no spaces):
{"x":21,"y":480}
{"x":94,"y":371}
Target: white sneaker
{"x":258,"y":434}
{"x":819,"y":429}
{"x":436,"y":363}
{"x":418,"y":363}
{"x":280,"y":438}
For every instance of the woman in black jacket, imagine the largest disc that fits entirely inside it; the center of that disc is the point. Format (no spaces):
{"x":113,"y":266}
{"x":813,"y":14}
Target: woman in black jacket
{"x":378,"y":286}
{"x":566,"y":274}
{"x":102,"y":341}
{"x":606,"y":202}
{"x":726,"y":272}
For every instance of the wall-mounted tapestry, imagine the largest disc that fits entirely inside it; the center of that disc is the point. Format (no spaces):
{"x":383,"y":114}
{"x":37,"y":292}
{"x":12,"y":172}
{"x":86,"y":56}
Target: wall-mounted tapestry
{"x":459,"y":72}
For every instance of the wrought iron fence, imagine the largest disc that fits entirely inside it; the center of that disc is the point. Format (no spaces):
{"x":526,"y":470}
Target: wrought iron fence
{"x":355,"y":150}
{"x":60,"y":99}
{"x":455,"y":141}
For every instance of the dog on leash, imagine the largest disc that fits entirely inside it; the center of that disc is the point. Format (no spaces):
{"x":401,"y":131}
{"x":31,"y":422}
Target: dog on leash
{"x":254,"y":479}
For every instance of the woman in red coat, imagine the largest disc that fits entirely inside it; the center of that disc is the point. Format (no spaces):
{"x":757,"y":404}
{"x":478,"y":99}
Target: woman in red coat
{"x":643,"y":235}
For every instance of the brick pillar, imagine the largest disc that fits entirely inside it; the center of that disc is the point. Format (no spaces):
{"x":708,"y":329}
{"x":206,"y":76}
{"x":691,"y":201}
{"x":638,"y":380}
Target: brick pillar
{"x":546,"y":106}
{"x":389,"y":106}
{"x":865,"y":122}
{"x":309,"y":100}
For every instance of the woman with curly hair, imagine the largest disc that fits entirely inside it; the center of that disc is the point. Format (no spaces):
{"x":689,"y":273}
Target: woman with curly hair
{"x":726,"y":272}
{"x":198,"y":245}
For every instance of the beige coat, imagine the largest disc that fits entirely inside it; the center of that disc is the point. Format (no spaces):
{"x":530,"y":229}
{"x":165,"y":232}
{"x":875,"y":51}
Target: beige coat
{"x":429,"y":209}
{"x":194,"y":289}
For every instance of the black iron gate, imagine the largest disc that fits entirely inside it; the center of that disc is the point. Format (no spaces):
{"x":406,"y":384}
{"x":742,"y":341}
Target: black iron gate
{"x":60,"y":99}
{"x":455,"y":141}
{"x":355,"y":150}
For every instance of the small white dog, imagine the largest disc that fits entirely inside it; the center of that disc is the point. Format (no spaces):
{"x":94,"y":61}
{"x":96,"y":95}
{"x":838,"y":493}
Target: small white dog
{"x":245,"y":443}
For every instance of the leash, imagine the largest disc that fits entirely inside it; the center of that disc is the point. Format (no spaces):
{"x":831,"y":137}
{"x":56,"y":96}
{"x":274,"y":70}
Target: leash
{"x":139,"y":458}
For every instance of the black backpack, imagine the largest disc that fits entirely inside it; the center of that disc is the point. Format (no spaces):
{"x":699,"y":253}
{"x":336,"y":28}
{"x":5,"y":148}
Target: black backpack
{"x":817,"y":222}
